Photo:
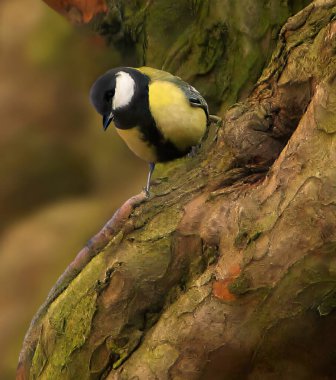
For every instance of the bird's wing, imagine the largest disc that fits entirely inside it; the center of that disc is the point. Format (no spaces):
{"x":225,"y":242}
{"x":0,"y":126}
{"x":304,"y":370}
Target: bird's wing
{"x":194,"y":97}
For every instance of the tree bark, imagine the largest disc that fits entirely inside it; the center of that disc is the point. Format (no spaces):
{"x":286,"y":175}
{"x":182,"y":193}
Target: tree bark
{"x":220,"y":45}
{"x":229,"y":270}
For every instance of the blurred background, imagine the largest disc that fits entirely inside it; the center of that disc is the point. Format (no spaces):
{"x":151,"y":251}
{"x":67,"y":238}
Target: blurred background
{"x":61,"y":176}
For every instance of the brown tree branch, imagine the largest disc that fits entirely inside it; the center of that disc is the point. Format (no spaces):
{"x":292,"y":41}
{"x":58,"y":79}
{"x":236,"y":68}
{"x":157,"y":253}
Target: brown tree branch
{"x":228,"y":271}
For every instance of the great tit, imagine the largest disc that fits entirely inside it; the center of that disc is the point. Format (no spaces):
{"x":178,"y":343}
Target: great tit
{"x":159,"y":116}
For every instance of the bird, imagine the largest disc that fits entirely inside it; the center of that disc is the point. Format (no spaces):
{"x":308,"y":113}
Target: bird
{"x":158,"y":115}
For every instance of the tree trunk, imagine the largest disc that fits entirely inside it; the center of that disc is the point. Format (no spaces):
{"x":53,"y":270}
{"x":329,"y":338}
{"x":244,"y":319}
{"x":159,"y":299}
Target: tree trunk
{"x":229,"y":270}
{"x":220,"y":45}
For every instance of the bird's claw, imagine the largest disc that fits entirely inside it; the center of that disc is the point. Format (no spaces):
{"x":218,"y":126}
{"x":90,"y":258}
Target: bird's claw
{"x":215,"y":118}
{"x":146,"y":191}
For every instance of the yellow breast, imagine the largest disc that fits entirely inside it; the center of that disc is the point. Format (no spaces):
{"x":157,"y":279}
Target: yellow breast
{"x":134,"y":140}
{"x":177,"y":120}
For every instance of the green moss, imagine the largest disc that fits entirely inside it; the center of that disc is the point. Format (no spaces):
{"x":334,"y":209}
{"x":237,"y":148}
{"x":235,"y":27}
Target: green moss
{"x":219,"y":46}
{"x":67,"y":326}
{"x":73,"y":326}
{"x":252,"y":230}
{"x":168,"y":168}
{"x":122,"y":349}
{"x":149,"y":260}
{"x":162,"y":224}
{"x":39,"y":361}
{"x":240,"y":285}
{"x":328,"y":304}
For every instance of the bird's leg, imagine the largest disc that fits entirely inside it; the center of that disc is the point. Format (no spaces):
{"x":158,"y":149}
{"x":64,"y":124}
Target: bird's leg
{"x":151,"y":169}
{"x":194,"y":151}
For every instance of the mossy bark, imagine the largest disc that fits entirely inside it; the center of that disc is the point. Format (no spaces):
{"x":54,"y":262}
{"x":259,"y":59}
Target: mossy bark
{"x":220,"y":46}
{"x":229,"y":270}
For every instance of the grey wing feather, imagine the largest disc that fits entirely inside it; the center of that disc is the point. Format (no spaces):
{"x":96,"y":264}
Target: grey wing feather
{"x":194,"y":97}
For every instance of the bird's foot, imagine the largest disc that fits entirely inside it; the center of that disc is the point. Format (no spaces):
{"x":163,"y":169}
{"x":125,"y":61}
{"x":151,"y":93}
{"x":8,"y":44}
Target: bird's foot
{"x":215,"y":118}
{"x":146,"y":191}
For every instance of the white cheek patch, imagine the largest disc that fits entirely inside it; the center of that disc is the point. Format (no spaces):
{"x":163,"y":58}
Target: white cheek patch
{"x":124,"y":90}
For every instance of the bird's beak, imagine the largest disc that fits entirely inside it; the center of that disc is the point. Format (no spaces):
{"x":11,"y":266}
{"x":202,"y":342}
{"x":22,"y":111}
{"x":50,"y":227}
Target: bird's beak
{"x":107,"y":120}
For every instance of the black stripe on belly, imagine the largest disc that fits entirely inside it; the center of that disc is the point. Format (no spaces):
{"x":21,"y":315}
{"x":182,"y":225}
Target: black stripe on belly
{"x":165,"y":149}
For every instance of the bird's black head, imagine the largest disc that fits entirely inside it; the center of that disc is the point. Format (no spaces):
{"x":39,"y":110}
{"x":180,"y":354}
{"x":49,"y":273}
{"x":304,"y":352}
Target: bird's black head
{"x":102,"y":93}
{"x":115,"y":91}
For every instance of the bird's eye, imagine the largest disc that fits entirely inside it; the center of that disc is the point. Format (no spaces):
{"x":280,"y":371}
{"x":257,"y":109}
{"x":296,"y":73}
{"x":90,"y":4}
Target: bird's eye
{"x":109,"y":95}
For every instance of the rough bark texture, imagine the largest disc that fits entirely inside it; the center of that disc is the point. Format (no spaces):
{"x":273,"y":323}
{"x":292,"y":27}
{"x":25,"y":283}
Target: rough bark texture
{"x":229,"y":270}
